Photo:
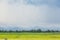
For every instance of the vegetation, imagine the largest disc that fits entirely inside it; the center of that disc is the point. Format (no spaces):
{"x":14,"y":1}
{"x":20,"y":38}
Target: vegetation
{"x":30,"y":36}
{"x":38,"y":30}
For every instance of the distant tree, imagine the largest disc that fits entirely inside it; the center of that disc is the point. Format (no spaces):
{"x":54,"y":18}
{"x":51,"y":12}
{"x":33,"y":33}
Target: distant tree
{"x":52,"y":31}
{"x":48,"y":31}
{"x":39,"y":30}
{"x":10,"y":31}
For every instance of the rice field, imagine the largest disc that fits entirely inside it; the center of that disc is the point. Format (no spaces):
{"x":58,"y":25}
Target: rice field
{"x":29,"y":36}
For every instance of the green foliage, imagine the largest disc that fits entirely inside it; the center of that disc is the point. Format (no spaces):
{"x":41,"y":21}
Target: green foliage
{"x":33,"y":30}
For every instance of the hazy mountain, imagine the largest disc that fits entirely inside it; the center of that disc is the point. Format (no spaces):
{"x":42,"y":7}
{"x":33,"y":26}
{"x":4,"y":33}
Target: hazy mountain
{"x":16,"y":27}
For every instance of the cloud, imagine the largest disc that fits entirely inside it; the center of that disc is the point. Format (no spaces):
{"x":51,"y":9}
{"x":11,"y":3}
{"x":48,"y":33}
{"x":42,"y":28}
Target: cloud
{"x":31,"y":12}
{"x":3,"y":11}
{"x":28,"y":14}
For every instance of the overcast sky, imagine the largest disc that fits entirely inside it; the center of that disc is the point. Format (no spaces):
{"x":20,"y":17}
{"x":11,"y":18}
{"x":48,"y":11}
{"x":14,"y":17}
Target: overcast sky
{"x":29,"y":12}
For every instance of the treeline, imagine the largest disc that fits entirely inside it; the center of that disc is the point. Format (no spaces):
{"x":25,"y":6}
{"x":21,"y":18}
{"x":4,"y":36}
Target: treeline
{"x":38,"y":30}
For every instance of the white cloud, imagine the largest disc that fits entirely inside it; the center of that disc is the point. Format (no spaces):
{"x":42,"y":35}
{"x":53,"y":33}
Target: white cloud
{"x":3,"y":11}
{"x":29,"y":14}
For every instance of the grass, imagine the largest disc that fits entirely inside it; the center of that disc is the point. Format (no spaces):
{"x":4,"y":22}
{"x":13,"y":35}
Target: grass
{"x":29,"y":36}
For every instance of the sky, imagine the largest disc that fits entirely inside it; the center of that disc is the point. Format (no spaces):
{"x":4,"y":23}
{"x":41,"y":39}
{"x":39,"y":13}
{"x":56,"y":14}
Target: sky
{"x":30,"y":12}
